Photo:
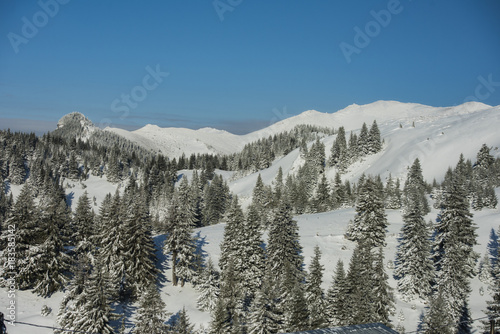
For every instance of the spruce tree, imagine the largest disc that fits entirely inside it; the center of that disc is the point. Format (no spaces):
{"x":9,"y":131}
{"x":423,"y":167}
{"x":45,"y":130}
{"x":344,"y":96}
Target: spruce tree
{"x":95,"y":311}
{"x":151,"y":312}
{"x":182,"y":324}
{"x":208,"y":288}
{"x":370,"y":221}
{"x":374,"y":141}
{"x":415,"y":185}
{"x":336,"y":297}
{"x":83,"y":225}
{"x":283,"y":247}
{"x":414,"y":267}
{"x":315,"y":296}
{"x":437,"y":319}
{"x":25,"y":217}
{"x":383,"y":298}
{"x":264,"y":318}
{"x":455,"y":237}
{"x":52,"y":261}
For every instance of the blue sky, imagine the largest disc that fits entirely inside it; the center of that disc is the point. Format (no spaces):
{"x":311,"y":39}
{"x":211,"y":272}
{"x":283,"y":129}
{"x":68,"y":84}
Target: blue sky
{"x":238,"y":65}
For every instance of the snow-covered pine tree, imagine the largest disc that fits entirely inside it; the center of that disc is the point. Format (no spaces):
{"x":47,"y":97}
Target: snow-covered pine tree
{"x":111,"y":242}
{"x":455,"y":237}
{"x":264,"y":317}
{"x":25,"y":217}
{"x":151,"y":312}
{"x":72,"y":300}
{"x":179,"y":240}
{"x":359,"y":307}
{"x":139,"y":254}
{"x":232,"y":237}
{"x":226,"y":317}
{"x":315,"y":296}
{"x":414,"y":268}
{"x":370,"y":221}
{"x":415,"y":183}
{"x":322,"y":200}
{"x":260,"y":196}
{"x":83,"y":225}
{"x":283,"y":247}
{"x":383,"y":298}
{"x":374,"y":140}
{"x":95,"y":311}
{"x":336,"y":297}
{"x":363,"y":141}
{"x":437,"y":318}
{"x":493,"y":305}
{"x":339,"y":156}
{"x":208,"y":288}
{"x":250,"y":255}
{"x":182,"y":325}
{"x":52,"y":261}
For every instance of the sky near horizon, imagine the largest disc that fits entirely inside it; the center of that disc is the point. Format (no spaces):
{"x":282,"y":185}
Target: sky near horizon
{"x":238,"y":65}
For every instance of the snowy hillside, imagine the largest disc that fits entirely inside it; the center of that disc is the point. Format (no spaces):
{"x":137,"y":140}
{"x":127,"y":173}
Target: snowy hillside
{"x":437,"y":136}
{"x":173,"y":142}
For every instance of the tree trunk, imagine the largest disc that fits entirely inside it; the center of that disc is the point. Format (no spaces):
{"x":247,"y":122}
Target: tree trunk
{"x":174,"y":276}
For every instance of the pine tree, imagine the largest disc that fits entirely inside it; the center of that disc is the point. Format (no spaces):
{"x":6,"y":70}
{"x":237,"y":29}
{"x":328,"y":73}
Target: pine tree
{"x":374,"y":141}
{"x":383,"y":298}
{"x":336,"y":297}
{"x":250,"y":256}
{"x":455,"y":237}
{"x":437,"y":319}
{"x":284,"y":248}
{"x":112,"y":245}
{"x":339,"y":155}
{"x":151,"y":312}
{"x":208,"y":288}
{"x":322,"y":200}
{"x":52,"y":261}
{"x":25,"y":217}
{"x":315,"y":297}
{"x":493,"y":305}
{"x":415,"y":185}
{"x":95,"y":312}
{"x":414,"y":267}
{"x":370,"y":221}
{"x":139,"y":253}
{"x":363,"y":141}
{"x":179,"y":240}
{"x":260,"y":196}
{"x":264,"y":318}
{"x":182,"y":324}
{"x":359,"y":307}
{"x":83,"y":222}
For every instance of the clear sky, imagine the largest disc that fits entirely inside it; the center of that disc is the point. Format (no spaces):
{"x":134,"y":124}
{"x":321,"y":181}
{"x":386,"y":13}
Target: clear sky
{"x":239,"y":65}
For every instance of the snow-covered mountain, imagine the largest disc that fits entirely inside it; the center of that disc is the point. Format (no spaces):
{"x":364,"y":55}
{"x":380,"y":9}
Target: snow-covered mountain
{"x":173,"y":142}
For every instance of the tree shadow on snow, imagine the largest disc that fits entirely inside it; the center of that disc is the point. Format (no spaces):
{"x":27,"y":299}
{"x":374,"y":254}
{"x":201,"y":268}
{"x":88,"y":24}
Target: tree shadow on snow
{"x":163,"y":259}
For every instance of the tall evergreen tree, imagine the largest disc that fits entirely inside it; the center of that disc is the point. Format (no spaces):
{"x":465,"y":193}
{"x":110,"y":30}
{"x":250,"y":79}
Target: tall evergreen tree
{"x":370,"y":221}
{"x":284,"y":248}
{"x":151,"y":312}
{"x":179,"y":241}
{"x":374,"y":141}
{"x":454,"y":240}
{"x":209,"y":288}
{"x":315,"y":296}
{"x":183,"y":324}
{"x":415,"y":185}
{"x":383,"y":298}
{"x":336,"y":297}
{"x":414,"y":267}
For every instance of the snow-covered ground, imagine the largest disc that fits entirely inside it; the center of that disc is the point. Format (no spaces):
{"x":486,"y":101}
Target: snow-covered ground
{"x":437,"y":138}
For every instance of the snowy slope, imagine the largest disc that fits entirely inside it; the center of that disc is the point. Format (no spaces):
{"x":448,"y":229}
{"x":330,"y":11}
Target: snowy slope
{"x":325,"y":230}
{"x":439,"y":136}
{"x":175,"y":141}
